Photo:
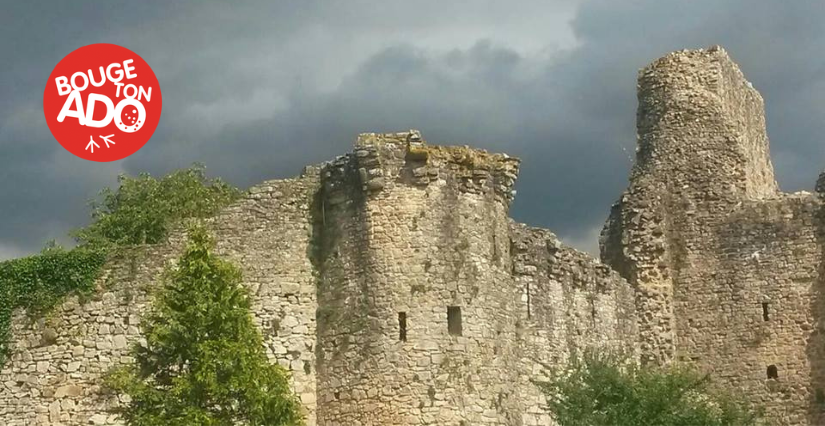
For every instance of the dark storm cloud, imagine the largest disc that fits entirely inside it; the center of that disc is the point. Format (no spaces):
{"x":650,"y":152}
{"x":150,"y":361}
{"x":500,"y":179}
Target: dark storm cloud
{"x":256,"y":91}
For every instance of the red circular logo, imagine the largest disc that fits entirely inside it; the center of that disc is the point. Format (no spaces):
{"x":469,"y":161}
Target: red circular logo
{"x":102,"y":102}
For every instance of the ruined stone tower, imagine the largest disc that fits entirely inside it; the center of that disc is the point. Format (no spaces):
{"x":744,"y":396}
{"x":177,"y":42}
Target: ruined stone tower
{"x":413,"y":296}
{"x":420,"y":317}
{"x":726,"y":268}
{"x":395,"y":288}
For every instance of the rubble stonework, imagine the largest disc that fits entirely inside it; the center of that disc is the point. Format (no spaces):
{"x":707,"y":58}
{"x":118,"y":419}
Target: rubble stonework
{"x":56,"y":380}
{"x":727,"y":269}
{"x":333,"y":259}
{"x":395,"y":288}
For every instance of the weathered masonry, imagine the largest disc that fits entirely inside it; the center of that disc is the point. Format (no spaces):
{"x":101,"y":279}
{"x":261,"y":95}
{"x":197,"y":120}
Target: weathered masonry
{"x":727,"y":270}
{"x":390,"y":281}
{"x":393,"y":285}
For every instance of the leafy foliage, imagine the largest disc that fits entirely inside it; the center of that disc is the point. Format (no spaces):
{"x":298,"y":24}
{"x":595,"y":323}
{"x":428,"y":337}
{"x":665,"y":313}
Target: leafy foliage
{"x":37,"y":283}
{"x":203,"y":362}
{"x":143,"y":209}
{"x":605,"y":389}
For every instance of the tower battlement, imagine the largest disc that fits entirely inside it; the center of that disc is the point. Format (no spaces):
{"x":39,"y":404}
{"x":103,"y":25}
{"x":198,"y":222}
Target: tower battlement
{"x":701,"y":127}
{"x":405,"y":158}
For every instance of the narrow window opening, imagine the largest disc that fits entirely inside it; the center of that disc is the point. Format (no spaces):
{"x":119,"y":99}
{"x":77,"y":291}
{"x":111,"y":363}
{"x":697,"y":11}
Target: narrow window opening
{"x":454,"y":320}
{"x":496,"y":255}
{"x":765,"y":316}
{"x":402,"y":326}
{"x":529,"y":313}
{"x":773,"y":372}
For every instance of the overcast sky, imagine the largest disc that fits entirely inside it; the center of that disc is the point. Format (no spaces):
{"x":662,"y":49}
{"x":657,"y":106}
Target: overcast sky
{"x":257,"y":89}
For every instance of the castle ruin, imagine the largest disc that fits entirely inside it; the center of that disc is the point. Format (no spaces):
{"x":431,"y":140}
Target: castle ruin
{"x":393,"y":285}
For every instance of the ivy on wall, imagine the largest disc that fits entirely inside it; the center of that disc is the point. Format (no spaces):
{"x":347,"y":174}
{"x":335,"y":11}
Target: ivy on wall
{"x":38,"y":283}
{"x":141,"y":211}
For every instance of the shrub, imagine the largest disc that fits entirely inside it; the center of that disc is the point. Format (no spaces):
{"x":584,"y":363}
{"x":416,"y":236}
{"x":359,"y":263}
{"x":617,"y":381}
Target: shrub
{"x":143,"y":209}
{"x":605,"y":389}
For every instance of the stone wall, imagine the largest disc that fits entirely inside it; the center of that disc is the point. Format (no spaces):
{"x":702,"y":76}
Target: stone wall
{"x":750,"y":306}
{"x":569,"y":302}
{"x":727,"y":268}
{"x":53,"y":374}
{"x":390,"y":282}
{"x":53,"y":377}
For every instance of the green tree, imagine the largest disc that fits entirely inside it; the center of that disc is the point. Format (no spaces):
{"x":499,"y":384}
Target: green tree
{"x":143,"y":208}
{"x":203,"y":361}
{"x":605,"y":389}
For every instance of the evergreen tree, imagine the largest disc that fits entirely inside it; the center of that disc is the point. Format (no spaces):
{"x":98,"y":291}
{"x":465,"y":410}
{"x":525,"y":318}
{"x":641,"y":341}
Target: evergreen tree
{"x":203,"y":362}
{"x":605,"y":389}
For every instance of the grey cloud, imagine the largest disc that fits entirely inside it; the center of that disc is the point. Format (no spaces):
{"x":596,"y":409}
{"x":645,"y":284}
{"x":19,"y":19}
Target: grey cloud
{"x":486,"y":95}
{"x":259,"y":89}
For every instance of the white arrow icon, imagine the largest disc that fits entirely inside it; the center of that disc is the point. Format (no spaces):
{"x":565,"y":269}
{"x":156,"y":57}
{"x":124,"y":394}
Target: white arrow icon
{"x":92,"y":144}
{"x":107,"y":140}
